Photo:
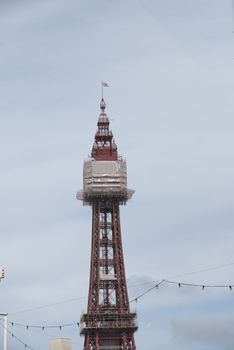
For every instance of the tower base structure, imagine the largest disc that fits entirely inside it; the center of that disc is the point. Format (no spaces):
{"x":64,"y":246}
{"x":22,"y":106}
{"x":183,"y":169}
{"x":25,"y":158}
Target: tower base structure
{"x":109,"y":333}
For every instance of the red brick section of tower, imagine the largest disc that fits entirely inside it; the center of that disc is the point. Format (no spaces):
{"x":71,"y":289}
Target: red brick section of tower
{"x":108,"y":324}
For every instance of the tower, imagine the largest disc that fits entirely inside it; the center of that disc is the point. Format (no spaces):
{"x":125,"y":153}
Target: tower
{"x":108,"y":324}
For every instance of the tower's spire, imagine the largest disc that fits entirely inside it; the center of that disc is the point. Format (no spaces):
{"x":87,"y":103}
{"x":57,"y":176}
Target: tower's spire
{"x":103,"y":105}
{"x":104,"y":147}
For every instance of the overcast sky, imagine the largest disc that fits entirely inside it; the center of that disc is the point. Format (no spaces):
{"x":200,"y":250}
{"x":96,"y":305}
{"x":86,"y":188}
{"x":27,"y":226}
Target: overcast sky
{"x":169,"y":66}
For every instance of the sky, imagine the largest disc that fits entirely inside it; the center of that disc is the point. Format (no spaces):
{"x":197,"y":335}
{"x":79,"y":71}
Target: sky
{"x":169,"y":66}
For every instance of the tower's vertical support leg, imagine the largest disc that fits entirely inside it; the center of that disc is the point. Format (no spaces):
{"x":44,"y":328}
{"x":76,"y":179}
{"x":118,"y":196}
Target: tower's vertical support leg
{"x":96,"y":341}
{"x":94,"y":266}
{"x":122,"y":284}
{"x":87,"y":342}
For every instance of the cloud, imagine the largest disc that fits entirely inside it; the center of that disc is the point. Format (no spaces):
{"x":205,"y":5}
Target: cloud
{"x":215,"y":331}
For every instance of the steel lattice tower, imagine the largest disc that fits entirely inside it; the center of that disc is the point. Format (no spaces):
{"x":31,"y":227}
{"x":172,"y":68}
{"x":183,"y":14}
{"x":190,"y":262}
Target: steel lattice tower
{"x":108,"y":324}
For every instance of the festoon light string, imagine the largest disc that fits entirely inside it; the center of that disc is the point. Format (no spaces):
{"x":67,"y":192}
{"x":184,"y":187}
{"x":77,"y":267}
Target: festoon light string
{"x":230,"y":287}
{"x":42,"y":327}
{"x":26,"y":346}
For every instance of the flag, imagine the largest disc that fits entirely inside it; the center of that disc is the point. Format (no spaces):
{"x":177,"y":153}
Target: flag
{"x":104,"y":84}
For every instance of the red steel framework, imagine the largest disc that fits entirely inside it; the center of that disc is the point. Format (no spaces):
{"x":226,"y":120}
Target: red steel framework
{"x":108,"y":324}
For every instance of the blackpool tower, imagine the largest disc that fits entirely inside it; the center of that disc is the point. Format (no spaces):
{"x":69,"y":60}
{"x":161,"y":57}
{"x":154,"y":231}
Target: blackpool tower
{"x":108,"y":323}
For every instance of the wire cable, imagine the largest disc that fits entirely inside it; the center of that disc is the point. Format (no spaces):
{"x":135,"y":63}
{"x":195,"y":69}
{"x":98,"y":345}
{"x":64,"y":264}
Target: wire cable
{"x":47,"y":305}
{"x":146,"y":292}
{"x":202,"y":270}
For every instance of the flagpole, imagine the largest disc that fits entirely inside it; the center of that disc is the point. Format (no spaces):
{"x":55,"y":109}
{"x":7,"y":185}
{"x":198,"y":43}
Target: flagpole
{"x":104,"y":85}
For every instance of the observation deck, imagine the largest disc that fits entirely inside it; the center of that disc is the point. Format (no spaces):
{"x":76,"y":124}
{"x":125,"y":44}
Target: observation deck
{"x":111,"y":322}
{"x":105,"y":179}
